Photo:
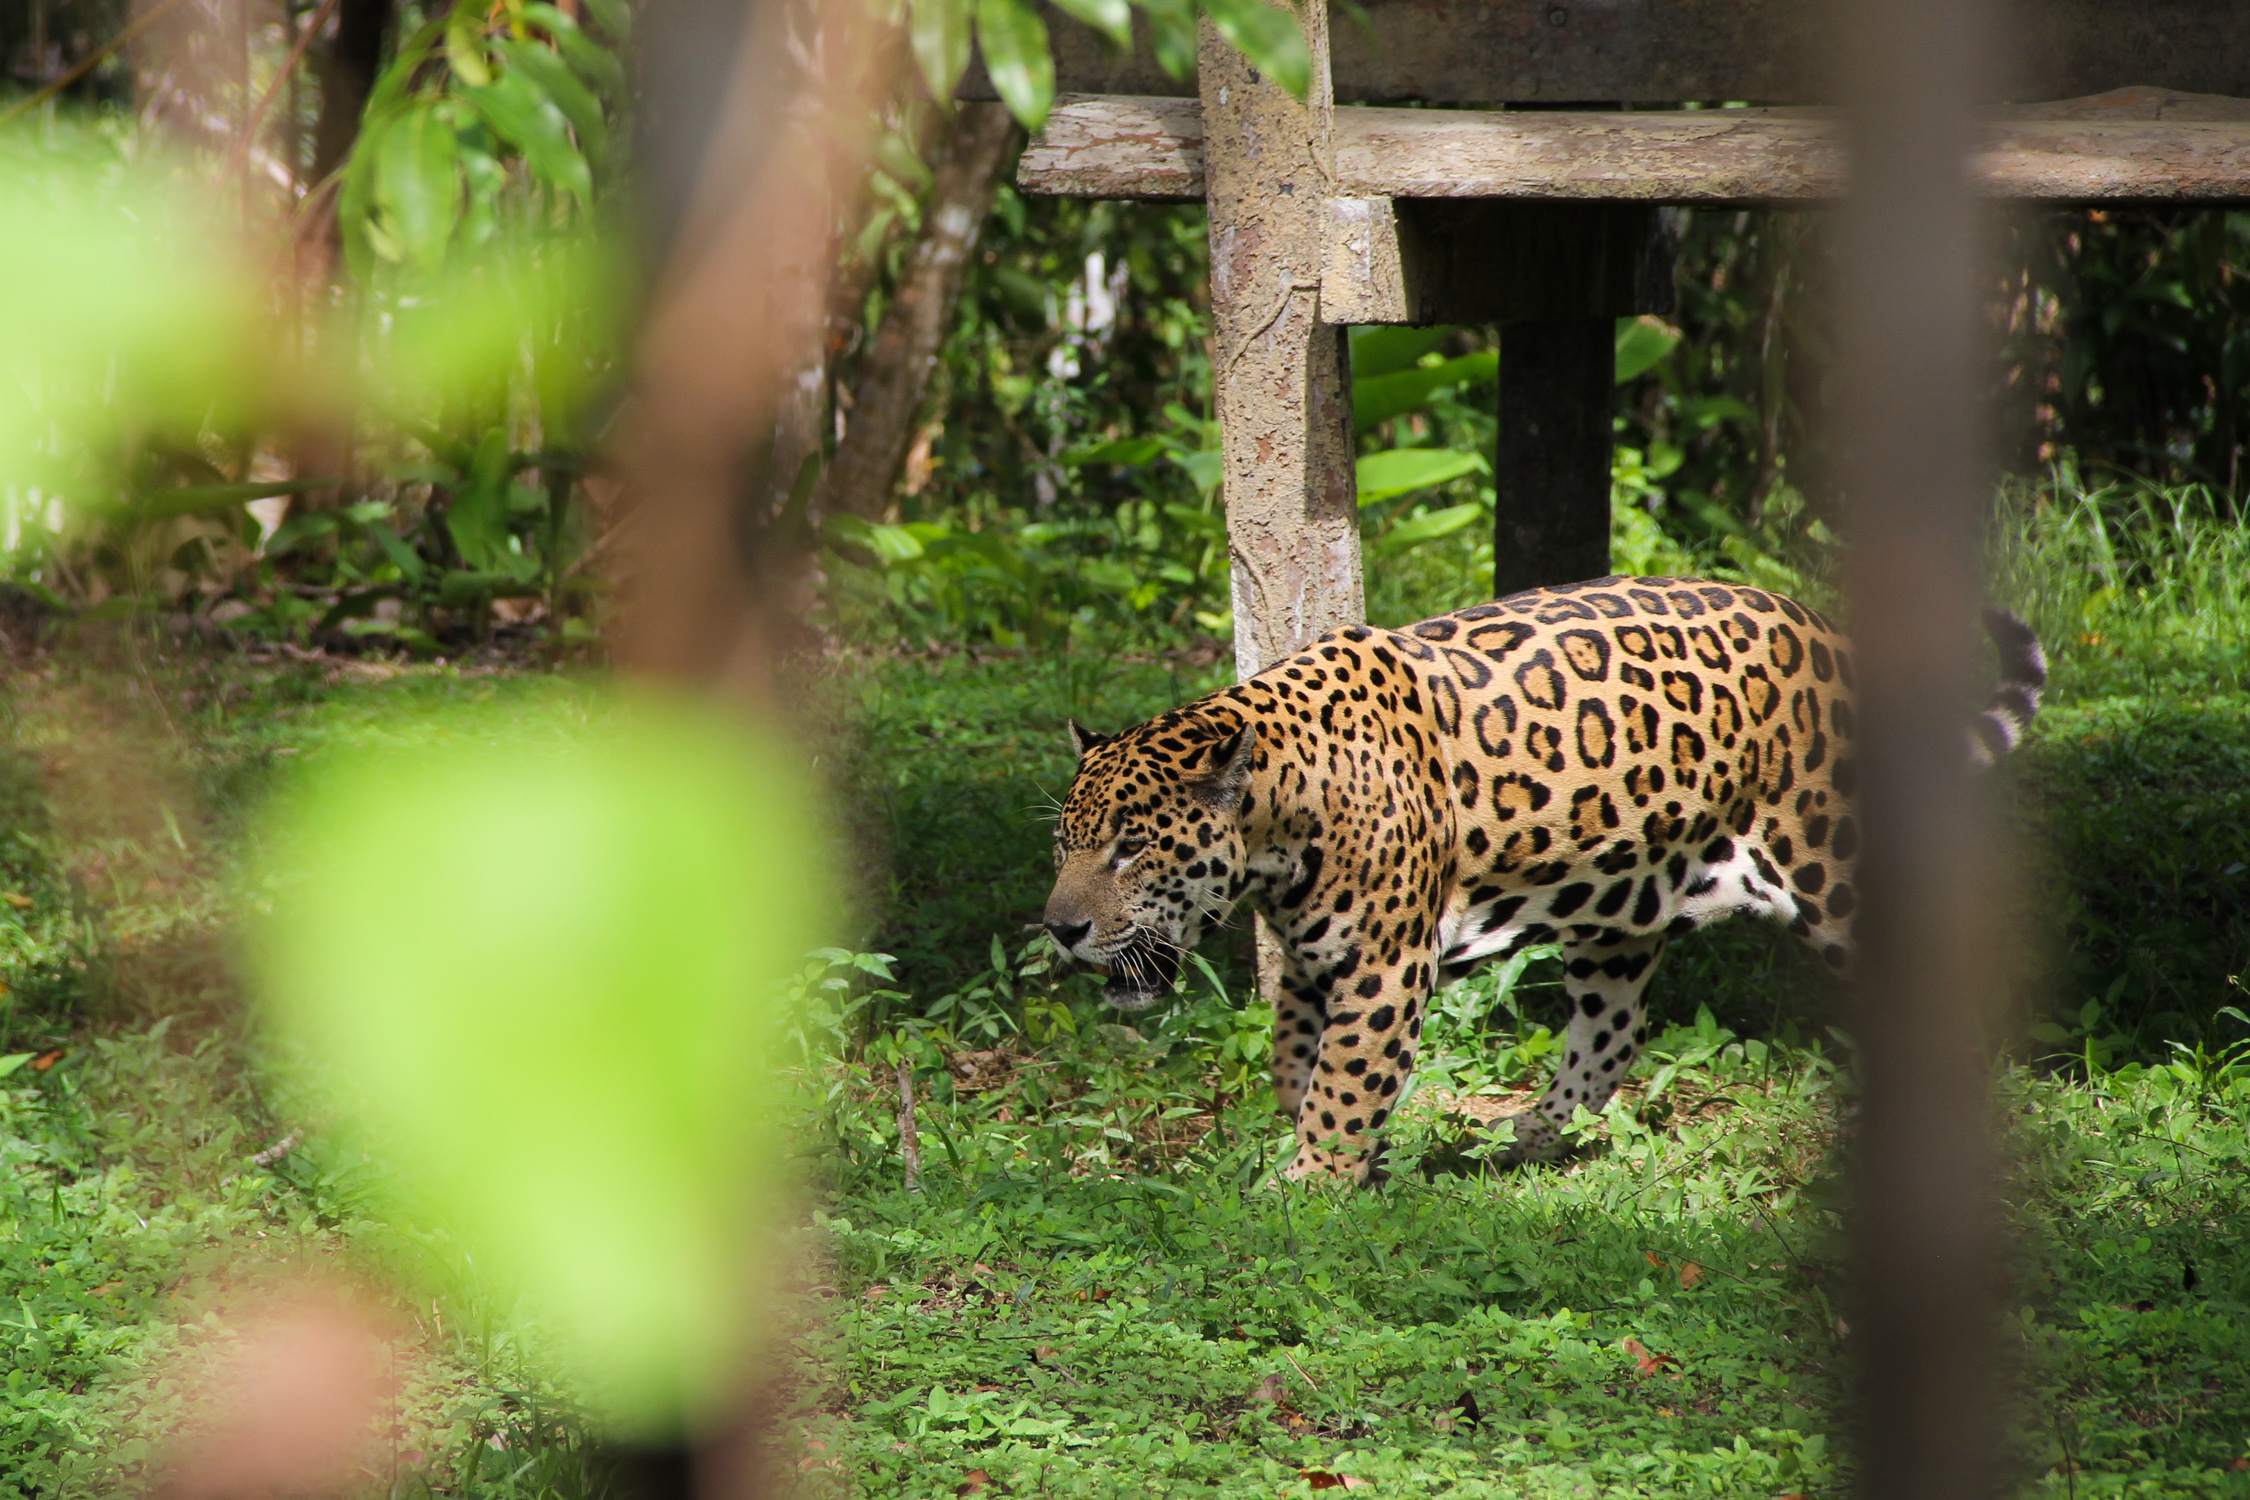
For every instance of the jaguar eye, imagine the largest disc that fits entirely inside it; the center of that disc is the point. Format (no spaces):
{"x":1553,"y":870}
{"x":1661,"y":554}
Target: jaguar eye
{"x":1127,"y":848}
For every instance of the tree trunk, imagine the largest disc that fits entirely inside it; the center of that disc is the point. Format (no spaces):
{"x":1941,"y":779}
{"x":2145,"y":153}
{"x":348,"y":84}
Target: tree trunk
{"x":889,"y":396}
{"x":347,"y":74}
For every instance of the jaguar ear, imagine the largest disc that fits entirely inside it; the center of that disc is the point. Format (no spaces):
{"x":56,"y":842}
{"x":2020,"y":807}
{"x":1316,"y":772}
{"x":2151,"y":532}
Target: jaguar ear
{"x":1229,"y":778}
{"x":1083,"y":739}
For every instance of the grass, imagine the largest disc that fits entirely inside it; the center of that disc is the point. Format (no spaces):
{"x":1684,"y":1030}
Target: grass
{"x":136,"y":1235}
{"x":1093,"y":1291}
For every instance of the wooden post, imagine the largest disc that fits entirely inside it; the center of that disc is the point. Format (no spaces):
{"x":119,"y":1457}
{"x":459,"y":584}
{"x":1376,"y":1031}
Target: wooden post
{"x":1279,"y":380}
{"x":1550,"y":463}
{"x":1565,"y":273}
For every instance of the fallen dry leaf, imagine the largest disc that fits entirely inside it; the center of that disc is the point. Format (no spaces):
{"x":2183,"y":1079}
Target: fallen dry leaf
{"x":1651,"y":1364}
{"x":1272,"y":1390}
{"x":1322,"y":1479}
{"x":19,"y":902}
{"x":1690,"y":1274}
{"x":1654,"y":1259}
{"x":2240,"y":1464}
{"x":975,"y":1482}
{"x":46,"y":1060}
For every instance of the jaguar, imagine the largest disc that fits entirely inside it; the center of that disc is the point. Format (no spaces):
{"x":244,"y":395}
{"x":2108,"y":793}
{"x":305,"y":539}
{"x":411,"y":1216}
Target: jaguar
{"x":1602,"y":766}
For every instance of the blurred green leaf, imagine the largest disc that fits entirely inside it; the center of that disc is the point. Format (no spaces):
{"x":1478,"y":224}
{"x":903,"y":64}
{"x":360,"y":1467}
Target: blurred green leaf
{"x":1112,"y":18}
{"x":1171,"y":25}
{"x":418,"y":183}
{"x":940,"y":33}
{"x":1129,"y":452}
{"x":613,"y":17}
{"x":464,"y":47}
{"x":1641,"y":343}
{"x":1401,"y":471}
{"x":1420,"y":529}
{"x":541,"y":962}
{"x":1268,"y":36}
{"x":1383,"y":397}
{"x":1016,"y":56}
{"x":553,"y":76}
{"x":531,"y":122}
{"x":1380,"y":350}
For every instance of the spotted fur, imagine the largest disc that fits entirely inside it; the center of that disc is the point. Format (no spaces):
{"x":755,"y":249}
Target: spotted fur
{"x":1605,"y":765}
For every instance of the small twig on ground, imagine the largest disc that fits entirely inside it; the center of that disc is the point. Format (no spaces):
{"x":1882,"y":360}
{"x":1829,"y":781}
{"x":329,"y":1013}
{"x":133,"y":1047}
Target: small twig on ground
{"x":909,"y":1139}
{"x":1300,"y":1369}
{"x":279,"y":1149}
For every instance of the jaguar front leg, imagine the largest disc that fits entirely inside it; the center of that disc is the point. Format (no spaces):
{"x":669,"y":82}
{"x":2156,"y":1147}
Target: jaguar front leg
{"x":1605,"y":978}
{"x":1365,"y":1056}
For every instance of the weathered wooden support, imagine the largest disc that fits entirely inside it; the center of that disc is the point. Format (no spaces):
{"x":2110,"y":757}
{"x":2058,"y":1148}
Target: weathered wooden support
{"x":1551,"y":453}
{"x":1279,"y":382}
{"x":1555,"y":277}
{"x":1668,"y":51}
{"x":2134,"y":146}
{"x":1279,"y":376}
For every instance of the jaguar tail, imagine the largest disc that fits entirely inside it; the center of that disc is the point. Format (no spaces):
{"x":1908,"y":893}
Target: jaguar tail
{"x":1999,"y":727}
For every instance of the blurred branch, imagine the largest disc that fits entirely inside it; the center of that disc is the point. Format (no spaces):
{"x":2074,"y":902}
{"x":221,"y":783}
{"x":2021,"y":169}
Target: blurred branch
{"x":695,"y":438}
{"x":889,"y":398}
{"x":248,"y":142}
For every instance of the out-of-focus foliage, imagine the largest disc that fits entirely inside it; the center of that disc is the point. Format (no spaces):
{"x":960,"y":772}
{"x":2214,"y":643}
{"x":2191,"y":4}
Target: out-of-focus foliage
{"x":2127,"y":343}
{"x":1013,"y":41}
{"x":149,"y":393}
{"x":542,"y":963}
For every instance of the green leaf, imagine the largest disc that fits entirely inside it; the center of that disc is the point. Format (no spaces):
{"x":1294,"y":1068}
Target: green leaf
{"x":573,"y":98}
{"x":1171,"y":28}
{"x":1022,"y":70}
{"x":394,"y":547}
{"x":1641,"y":344}
{"x":1206,"y":466}
{"x":1404,"y":470}
{"x":940,"y":33}
{"x":464,"y":48}
{"x":477,"y":519}
{"x":611,"y":16}
{"x":1268,"y":36}
{"x":1112,"y":18}
{"x":594,"y":62}
{"x":1377,"y":400}
{"x":297,"y":528}
{"x":1385,"y":351}
{"x":529,"y":121}
{"x":418,"y":184}
{"x":1130,"y":453}
{"x":13,"y":1061}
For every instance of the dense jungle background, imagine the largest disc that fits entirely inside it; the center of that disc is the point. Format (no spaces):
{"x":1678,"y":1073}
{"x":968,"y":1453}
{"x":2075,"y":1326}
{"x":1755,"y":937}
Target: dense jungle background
{"x":990,"y":503}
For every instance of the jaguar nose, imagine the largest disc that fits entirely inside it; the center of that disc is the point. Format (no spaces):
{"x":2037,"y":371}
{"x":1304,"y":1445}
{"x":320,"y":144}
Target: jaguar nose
{"x":1069,"y":935}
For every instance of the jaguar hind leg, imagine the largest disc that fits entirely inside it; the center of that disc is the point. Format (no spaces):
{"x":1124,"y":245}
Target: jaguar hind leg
{"x":1605,"y":977}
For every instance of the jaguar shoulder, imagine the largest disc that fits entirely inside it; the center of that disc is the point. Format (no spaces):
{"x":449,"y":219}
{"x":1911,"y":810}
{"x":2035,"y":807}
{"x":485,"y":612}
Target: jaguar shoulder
{"x":1604,"y":766}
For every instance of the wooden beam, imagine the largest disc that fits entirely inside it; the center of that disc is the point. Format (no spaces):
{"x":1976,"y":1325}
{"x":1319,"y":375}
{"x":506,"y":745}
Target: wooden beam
{"x":1492,"y":260}
{"x":1673,"y":51}
{"x":2134,"y":146}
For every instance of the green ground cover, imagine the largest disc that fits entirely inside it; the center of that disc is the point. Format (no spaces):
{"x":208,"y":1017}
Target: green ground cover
{"x":1093,"y":1291}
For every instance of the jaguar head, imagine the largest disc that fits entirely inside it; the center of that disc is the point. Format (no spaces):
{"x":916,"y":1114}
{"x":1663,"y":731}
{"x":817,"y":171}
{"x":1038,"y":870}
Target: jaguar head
{"x":1148,"y":848}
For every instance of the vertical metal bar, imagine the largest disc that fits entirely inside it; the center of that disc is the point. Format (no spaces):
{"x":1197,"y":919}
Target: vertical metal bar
{"x":1551,"y":453}
{"x":1925,"y":1243}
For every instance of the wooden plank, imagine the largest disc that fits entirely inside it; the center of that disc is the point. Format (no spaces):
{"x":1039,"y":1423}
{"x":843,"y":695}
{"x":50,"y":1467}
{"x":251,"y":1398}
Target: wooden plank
{"x":1674,"y":51}
{"x":1113,"y":146}
{"x":2141,"y":146}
